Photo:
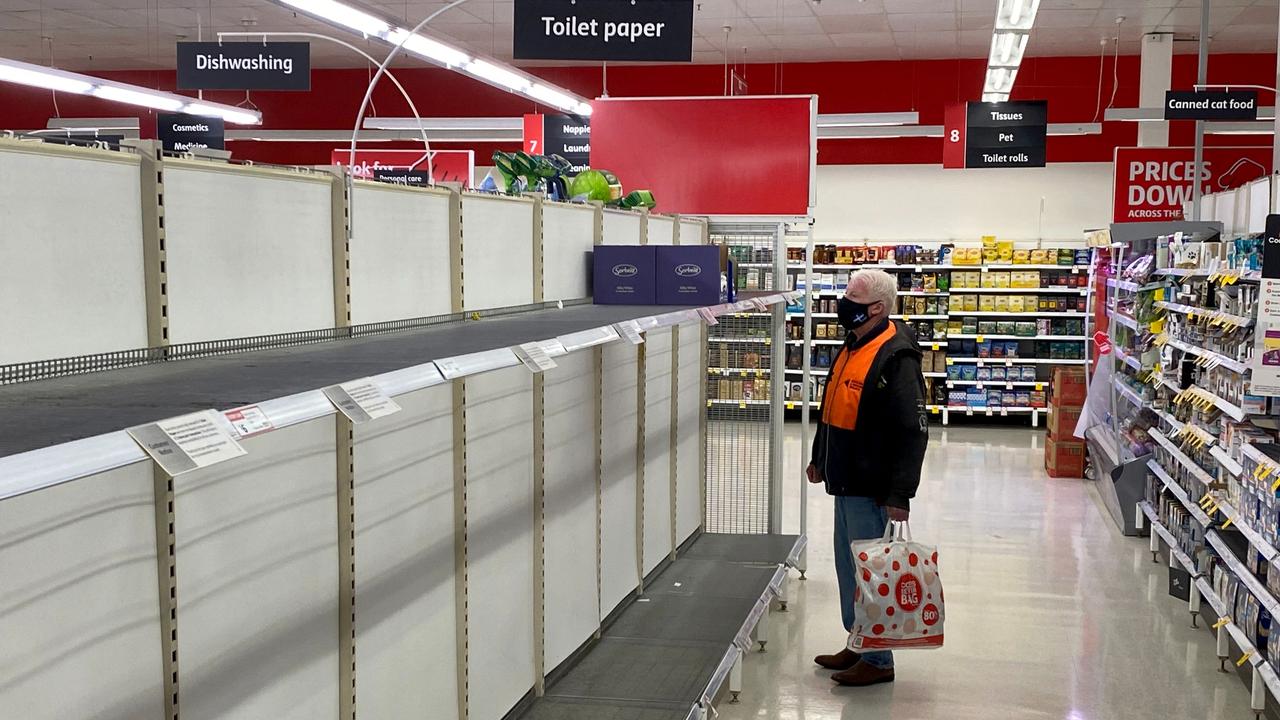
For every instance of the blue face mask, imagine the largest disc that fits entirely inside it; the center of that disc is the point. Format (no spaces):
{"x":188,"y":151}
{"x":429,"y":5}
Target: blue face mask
{"x":852,"y":313}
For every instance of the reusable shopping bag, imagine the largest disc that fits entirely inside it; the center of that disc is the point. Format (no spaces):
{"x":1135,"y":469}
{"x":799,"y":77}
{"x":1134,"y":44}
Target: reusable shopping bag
{"x":899,"y":593}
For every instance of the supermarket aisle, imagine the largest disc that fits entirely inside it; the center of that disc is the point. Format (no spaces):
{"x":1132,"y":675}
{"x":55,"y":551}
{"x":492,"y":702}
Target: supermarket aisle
{"x":1051,"y":613}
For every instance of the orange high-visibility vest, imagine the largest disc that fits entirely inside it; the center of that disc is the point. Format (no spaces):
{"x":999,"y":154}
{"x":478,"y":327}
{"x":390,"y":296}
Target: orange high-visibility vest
{"x":844,"y":385}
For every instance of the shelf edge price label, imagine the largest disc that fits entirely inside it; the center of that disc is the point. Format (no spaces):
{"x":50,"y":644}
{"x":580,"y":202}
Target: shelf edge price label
{"x":188,"y":442}
{"x":360,"y":400}
{"x":249,"y":420}
{"x":630,"y":330}
{"x":534,"y":356}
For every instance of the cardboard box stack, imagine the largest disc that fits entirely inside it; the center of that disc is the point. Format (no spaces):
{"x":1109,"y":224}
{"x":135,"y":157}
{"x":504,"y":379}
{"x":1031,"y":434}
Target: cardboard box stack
{"x":1063,"y":452}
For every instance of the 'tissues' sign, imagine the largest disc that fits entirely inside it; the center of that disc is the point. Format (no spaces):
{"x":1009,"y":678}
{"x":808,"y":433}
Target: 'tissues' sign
{"x":995,"y":135}
{"x":660,"y":30}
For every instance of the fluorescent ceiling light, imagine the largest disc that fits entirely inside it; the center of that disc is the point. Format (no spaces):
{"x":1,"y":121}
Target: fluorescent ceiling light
{"x":231,"y":115}
{"x":502,"y":76}
{"x":429,"y":49}
{"x":476,"y":123}
{"x":350,"y":16}
{"x":1016,"y":14}
{"x":870,"y":133}
{"x":342,"y":14}
{"x":168,"y":103}
{"x":54,"y":79}
{"x":105,"y":123}
{"x":1000,"y":80}
{"x":1007,"y":49}
{"x":46,"y":78}
{"x":995,"y":97}
{"x":868,"y":119}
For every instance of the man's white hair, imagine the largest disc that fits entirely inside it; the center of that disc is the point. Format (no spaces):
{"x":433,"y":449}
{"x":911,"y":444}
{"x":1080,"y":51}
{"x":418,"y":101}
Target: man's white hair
{"x":874,"y":285}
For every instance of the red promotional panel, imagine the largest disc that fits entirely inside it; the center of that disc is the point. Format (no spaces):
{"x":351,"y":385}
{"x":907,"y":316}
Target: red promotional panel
{"x":1153,"y":184}
{"x":446,"y":165}
{"x":711,"y":155}
{"x":954,"y":125}
{"x":533,"y":134}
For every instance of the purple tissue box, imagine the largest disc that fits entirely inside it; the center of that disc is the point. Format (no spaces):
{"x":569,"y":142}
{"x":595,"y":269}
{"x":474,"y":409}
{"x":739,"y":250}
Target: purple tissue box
{"x":623,"y":275}
{"x":688,"y":274}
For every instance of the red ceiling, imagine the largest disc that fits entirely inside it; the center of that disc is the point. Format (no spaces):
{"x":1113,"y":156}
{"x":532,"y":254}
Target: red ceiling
{"x":1071,"y":85}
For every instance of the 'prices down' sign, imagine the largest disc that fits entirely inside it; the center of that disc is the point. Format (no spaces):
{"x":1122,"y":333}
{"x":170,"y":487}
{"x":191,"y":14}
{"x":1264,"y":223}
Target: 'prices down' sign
{"x":1153,"y":184}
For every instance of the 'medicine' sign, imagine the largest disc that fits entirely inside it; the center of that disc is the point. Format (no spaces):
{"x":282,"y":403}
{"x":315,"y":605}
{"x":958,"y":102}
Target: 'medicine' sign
{"x":1153,"y":184}
{"x":660,"y":30}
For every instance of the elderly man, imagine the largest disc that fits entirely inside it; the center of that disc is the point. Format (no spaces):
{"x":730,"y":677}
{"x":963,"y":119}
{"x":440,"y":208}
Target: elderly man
{"x":870,"y":444}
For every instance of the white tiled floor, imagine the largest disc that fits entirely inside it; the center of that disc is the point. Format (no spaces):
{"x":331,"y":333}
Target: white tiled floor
{"x":1051,"y":613}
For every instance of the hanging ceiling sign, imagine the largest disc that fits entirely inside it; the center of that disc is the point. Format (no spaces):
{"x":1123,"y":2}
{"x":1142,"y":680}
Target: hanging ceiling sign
{"x":568,"y":136}
{"x":1211,"y":105}
{"x":180,"y":133}
{"x":244,"y":66}
{"x":656,"y":30}
{"x":996,"y":135}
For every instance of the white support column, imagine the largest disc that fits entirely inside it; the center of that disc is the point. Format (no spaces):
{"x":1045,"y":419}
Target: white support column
{"x":1155,"y":78}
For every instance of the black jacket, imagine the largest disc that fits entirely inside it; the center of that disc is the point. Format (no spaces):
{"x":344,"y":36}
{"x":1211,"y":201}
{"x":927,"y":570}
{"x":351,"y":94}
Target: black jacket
{"x":881,"y":457}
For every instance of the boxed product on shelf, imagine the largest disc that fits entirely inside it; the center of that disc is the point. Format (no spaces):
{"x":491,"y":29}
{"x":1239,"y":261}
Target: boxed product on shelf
{"x":995,"y":398}
{"x":1013,"y":303}
{"x":986,"y":303}
{"x":998,"y":372}
{"x":1028,"y":373}
{"x":983,"y":374}
{"x":968,"y":372}
{"x":975,"y":397}
{"x":1063,"y":458}
{"x":1036,"y":399}
{"x":795,"y":390}
{"x":984,"y":349}
{"x":955,"y":372}
{"x":1021,"y":398}
{"x":1025,"y":328}
{"x":955,"y":303}
{"x":627,"y":274}
{"x":956,"y":398}
{"x":996,"y":348}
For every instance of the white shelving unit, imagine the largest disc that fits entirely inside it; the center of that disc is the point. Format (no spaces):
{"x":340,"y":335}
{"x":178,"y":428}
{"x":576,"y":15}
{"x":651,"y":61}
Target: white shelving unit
{"x":826,"y":288}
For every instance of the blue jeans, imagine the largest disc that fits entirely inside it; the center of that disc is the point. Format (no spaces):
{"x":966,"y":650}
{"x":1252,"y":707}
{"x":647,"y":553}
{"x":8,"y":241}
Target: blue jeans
{"x":857,"y":518}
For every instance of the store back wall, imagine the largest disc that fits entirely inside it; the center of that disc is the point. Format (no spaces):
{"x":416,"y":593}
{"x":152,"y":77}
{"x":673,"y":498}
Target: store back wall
{"x":925,"y":202}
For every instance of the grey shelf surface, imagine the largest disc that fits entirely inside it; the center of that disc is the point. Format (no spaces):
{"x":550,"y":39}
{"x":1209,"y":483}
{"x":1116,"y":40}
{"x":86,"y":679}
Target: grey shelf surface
{"x":49,"y":412}
{"x":660,"y":653}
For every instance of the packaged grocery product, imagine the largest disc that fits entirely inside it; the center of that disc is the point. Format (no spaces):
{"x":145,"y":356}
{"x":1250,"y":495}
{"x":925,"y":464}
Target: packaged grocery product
{"x":1028,"y":373}
{"x":930,"y":282}
{"x":987,"y":327}
{"x":987,"y":280}
{"x":984,"y":349}
{"x":1037,"y":398}
{"x":1039,"y":256}
{"x":1026,"y":328}
{"x":970,"y":303}
{"x":1011,"y":348}
{"x":956,"y":398}
{"x":983,"y":374}
{"x":1002,"y":279}
{"x":969,"y":372}
{"x":990,"y":250}
{"x":1066,"y":256}
{"x":1044,"y":326}
{"x":955,"y":372}
{"x":1022,"y":398}
{"x":956,"y":303}
{"x":1005,"y":327}
{"x":1033,"y":279}
{"x":1082,"y":256}
{"x":1004,"y":251}
{"x":998,"y":372}
{"x":1021,"y":257}
{"x":820,"y":331}
{"x":997,"y":349}
{"x":986,"y":303}
{"x":995,"y":398}
{"x":1014,"y":303}
{"x":969,"y":326}
{"x":1002,"y":303}
{"x":955,"y":327}
{"x":975,"y":397}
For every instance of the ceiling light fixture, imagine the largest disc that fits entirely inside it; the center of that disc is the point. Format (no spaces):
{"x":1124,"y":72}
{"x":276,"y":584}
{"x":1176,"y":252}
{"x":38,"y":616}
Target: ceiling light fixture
{"x":1014,"y":19}
{"x":16,"y":71}
{"x":349,"y":16}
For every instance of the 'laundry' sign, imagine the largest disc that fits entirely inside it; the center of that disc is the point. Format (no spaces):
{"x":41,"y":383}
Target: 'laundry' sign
{"x":244,"y":66}
{"x":604,"y":30}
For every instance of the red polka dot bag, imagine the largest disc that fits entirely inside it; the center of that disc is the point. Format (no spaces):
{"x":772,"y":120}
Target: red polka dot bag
{"x":899,"y":593}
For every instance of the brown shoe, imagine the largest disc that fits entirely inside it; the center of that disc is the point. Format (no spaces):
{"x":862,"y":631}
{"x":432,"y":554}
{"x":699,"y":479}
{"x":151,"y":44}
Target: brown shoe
{"x":862,"y":674}
{"x":842,"y":660}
